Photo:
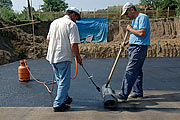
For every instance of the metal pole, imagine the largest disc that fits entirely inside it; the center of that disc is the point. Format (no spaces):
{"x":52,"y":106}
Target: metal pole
{"x":29,"y":9}
{"x":32,"y":21}
{"x":90,"y":77}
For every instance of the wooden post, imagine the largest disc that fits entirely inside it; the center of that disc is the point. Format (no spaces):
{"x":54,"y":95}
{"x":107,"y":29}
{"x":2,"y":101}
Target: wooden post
{"x":88,"y":14}
{"x":120,"y":11}
{"x":108,"y":12}
{"x":28,"y":13}
{"x":81,"y":13}
{"x":94,"y":12}
{"x":157,"y":52}
{"x":39,"y":11}
{"x":168,"y":13}
{"x":157,"y":15}
{"x":51,"y":12}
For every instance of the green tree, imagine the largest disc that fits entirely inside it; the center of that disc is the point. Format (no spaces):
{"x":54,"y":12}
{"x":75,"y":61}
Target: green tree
{"x":178,"y":7}
{"x":148,"y":3}
{"x":23,"y":16}
{"x":7,"y":3}
{"x":7,"y":14}
{"x":54,"y":5}
{"x":161,"y":4}
{"x":164,"y":4}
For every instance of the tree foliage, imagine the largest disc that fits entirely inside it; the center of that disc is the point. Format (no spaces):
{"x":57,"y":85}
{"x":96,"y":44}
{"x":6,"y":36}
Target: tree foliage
{"x":7,"y":3}
{"x":161,"y":4}
{"x":23,"y":16}
{"x":164,"y":4}
{"x":54,"y":5}
{"x":147,"y":2}
{"x":7,"y":14}
{"x":178,"y":7}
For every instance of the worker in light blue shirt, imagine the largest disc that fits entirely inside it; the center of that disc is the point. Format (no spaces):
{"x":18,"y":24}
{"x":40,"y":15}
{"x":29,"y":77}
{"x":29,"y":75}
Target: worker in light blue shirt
{"x":141,"y":22}
{"x":138,"y":44}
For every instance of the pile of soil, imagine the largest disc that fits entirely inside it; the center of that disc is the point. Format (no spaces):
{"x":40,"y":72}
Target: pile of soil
{"x":166,"y":48}
{"x":17,"y":44}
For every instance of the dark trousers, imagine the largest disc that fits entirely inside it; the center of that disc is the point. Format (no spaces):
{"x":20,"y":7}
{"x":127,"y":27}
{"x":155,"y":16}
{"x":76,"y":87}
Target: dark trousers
{"x":133,"y":77}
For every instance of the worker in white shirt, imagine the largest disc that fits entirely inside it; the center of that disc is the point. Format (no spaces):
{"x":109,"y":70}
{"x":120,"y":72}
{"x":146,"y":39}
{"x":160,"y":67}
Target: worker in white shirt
{"x":63,"y":38}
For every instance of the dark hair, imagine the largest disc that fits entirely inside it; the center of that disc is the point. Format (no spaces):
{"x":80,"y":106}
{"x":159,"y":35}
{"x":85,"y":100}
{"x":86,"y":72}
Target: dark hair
{"x":133,"y":8}
{"x":69,"y":12}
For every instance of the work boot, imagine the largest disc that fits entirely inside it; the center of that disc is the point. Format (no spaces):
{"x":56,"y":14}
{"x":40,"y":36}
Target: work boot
{"x":68,"y":101}
{"x":62,"y":108}
{"x":136,"y":95}
{"x":120,"y":97}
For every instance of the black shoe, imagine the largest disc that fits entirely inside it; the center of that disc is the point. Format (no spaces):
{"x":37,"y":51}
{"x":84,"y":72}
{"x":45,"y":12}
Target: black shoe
{"x":135,"y":95}
{"x":120,"y":97}
{"x":68,"y":101}
{"x":62,"y":108}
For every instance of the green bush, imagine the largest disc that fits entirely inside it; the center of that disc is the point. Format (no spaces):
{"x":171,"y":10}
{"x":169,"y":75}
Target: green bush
{"x":7,"y":14}
{"x":178,"y":10}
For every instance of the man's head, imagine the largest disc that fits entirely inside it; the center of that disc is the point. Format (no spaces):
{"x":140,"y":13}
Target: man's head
{"x":129,"y":10}
{"x":74,"y":13}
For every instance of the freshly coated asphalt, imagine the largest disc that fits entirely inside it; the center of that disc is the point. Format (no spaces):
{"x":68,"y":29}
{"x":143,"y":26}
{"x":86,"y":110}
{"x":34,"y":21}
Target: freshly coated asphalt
{"x":30,"y":100}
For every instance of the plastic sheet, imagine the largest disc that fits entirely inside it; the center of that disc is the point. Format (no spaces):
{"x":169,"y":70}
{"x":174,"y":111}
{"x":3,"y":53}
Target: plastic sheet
{"x":96,"y":29}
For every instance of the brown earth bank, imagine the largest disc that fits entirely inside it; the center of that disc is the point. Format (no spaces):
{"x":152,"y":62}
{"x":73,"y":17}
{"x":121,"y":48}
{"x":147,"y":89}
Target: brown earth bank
{"x":19,"y":43}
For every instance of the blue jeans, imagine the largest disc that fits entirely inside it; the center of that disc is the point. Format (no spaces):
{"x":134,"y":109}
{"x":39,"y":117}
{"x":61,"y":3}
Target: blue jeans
{"x":133,"y":77}
{"x":62,"y":72}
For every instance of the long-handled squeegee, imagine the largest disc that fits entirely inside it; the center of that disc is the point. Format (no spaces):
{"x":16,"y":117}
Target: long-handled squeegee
{"x":107,"y":92}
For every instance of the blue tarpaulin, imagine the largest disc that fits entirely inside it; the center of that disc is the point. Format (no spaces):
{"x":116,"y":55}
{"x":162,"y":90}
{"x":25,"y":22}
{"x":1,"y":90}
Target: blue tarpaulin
{"x":96,"y":28}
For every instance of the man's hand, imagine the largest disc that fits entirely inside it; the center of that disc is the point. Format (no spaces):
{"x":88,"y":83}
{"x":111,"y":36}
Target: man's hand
{"x":75,"y":49}
{"x":129,"y":28}
{"x":123,"y":44}
{"x":140,"y":32}
{"x":79,"y":60}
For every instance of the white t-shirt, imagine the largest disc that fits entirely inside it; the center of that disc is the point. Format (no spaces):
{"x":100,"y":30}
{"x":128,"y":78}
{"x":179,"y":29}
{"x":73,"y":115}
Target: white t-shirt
{"x":62,"y":33}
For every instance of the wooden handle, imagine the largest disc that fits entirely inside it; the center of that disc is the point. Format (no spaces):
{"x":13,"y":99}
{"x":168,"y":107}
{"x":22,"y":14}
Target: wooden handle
{"x":117,"y":58}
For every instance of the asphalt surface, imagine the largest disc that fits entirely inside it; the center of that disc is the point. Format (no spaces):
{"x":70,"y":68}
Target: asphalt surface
{"x":161,"y":85}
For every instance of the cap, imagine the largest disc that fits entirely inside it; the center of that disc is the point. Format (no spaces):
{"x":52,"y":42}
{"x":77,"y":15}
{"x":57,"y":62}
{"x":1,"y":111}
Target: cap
{"x":126,"y":6}
{"x":75,"y":10}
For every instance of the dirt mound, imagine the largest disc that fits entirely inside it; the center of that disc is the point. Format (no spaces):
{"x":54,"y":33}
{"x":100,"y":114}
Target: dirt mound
{"x":166,"y":48}
{"x":17,"y":44}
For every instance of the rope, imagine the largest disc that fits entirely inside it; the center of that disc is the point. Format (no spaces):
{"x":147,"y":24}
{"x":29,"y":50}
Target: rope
{"x":51,"y":81}
{"x":19,"y":25}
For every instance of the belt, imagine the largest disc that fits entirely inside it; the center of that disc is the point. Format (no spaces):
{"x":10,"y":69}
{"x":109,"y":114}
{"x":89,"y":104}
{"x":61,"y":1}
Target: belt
{"x":136,"y":45}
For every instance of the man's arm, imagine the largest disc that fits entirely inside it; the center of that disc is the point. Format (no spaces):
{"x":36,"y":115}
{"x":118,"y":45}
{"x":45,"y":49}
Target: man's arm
{"x":140,"y":32}
{"x":75,"y":49}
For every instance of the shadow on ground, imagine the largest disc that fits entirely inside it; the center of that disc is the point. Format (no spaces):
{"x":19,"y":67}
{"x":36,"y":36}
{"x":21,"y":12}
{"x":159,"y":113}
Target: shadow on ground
{"x":148,"y":102}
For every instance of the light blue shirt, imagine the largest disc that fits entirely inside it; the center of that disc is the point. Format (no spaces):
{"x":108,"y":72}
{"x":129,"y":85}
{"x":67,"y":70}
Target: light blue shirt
{"x":141,"y":22}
